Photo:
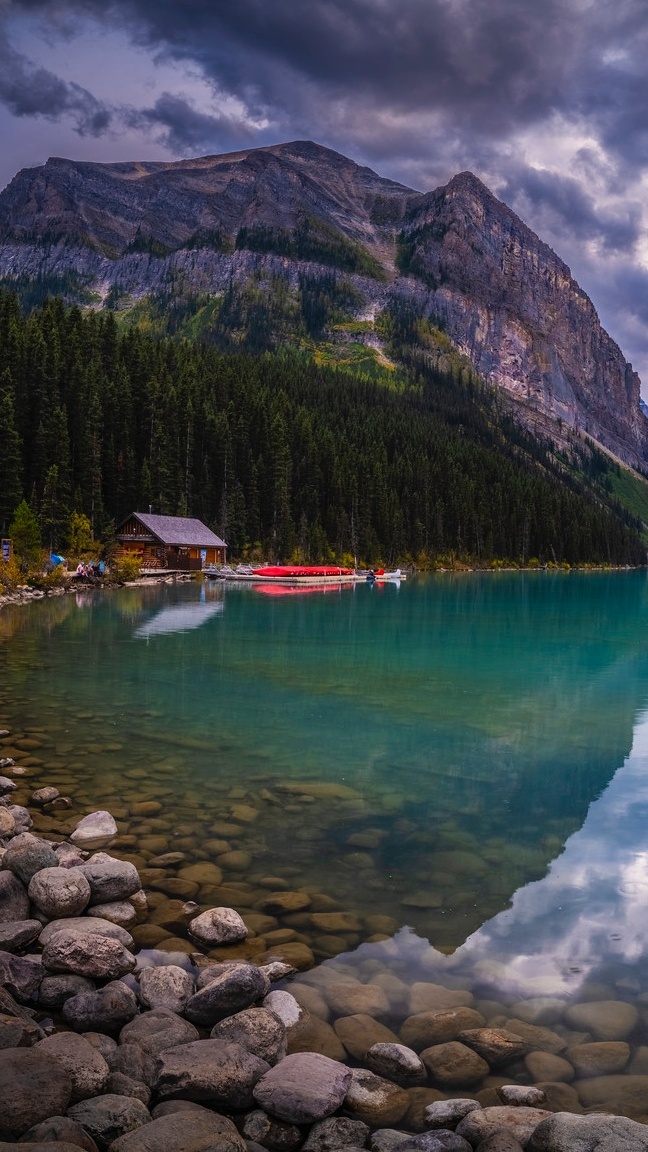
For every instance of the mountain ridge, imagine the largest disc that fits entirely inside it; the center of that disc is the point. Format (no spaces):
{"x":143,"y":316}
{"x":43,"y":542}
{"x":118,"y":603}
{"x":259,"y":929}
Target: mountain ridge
{"x":122,"y":233}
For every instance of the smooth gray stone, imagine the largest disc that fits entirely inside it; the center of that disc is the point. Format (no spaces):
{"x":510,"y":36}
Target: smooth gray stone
{"x":55,"y":990}
{"x":14,"y":901}
{"x":396,"y":1062}
{"x":21,"y":975}
{"x":95,"y":830}
{"x":59,"y":892}
{"x":183,"y":1132}
{"x":258,"y":1030}
{"x":110,"y":879}
{"x":336,"y":1132}
{"x":108,"y":1117}
{"x":106,"y":1010}
{"x":448,"y":1113}
{"x":98,"y":957}
{"x":259,"y":1128}
{"x":133,"y":1061}
{"x":33,"y":1088}
{"x":26,"y":855}
{"x":303,"y":1088}
{"x":85,"y":1066}
{"x":209,"y":1070}
{"x":60,"y":1129}
{"x":231,"y":991}
{"x":17,"y":934}
{"x":157,"y":1030}
{"x":167,"y":986}
{"x":93,"y":926}
{"x":565,"y":1132}
{"x":22,"y":818}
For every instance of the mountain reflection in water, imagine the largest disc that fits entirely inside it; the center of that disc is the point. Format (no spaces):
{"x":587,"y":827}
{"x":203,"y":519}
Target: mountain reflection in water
{"x":463,"y":745}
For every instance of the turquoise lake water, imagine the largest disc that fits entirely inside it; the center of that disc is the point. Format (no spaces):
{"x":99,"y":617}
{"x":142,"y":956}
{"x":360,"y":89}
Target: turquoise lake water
{"x":466,"y":755}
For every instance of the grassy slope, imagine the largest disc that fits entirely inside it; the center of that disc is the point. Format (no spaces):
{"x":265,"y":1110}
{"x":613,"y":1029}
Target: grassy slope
{"x":631,"y":490}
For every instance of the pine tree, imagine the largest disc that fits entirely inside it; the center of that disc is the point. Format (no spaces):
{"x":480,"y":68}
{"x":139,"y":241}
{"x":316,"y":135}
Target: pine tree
{"x":24,"y":531}
{"x":54,"y":511}
{"x":10,"y":456}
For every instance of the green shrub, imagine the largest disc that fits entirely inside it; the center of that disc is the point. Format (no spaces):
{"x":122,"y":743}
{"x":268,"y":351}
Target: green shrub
{"x":45,"y":581}
{"x":126,"y":569}
{"x":10,"y":575}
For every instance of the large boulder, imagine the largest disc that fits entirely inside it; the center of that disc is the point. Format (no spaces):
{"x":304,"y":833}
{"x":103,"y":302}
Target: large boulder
{"x":20,"y":975}
{"x":108,"y":1117}
{"x":375,"y":1100}
{"x":55,"y":990}
{"x":61,"y":1131}
{"x":133,"y":1062}
{"x":495,"y":1045}
{"x":483,"y":1123}
{"x":158,"y":1030}
{"x":424,"y":1029}
{"x":237,"y":987}
{"x":59,"y":892}
{"x":605,"y":1019}
{"x":303,"y":1088}
{"x":14,"y":901}
{"x":86,"y":1067}
{"x":217,"y":926}
{"x":202,"y":1131}
{"x":33,"y":1088}
{"x":15,"y":935}
{"x":396,"y":1062}
{"x":209,"y":1070}
{"x":26,"y":855}
{"x":166,"y":987}
{"x":110,"y":879}
{"x":565,"y":1132}
{"x":94,"y":831}
{"x":107,"y":1009}
{"x":258,"y":1030}
{"x":454,"y":1064}
{"x":85,"y":954}
{"x":94,"y":926}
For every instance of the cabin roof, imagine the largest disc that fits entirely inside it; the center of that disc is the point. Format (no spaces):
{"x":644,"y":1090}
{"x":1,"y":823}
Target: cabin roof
{"x":177,"y":530}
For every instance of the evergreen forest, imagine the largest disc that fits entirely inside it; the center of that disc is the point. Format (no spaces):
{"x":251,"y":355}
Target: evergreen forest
{"x":285,"y":458}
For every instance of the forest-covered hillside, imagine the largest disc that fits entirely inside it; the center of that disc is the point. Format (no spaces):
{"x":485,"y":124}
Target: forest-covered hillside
{"x":283,"y":457}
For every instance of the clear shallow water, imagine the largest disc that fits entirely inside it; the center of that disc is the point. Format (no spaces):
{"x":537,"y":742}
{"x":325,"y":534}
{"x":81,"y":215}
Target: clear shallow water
{"x":465,"y":755}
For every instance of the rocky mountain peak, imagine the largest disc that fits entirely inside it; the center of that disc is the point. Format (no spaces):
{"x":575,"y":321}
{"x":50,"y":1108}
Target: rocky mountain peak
{"x":456,"y":253}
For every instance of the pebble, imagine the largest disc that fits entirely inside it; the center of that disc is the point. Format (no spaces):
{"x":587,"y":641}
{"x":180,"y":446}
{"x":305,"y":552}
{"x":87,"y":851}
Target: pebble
{"x":277,"y":1061}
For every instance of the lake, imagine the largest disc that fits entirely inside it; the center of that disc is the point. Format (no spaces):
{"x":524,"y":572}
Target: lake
{"x":461,"y":762}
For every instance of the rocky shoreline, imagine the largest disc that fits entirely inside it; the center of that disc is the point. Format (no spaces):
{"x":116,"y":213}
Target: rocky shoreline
{"x":25,"y":594}
{"x":104,"y":1047}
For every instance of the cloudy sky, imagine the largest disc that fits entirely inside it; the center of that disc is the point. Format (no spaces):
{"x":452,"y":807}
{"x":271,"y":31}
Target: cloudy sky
{"x":546,"y":101}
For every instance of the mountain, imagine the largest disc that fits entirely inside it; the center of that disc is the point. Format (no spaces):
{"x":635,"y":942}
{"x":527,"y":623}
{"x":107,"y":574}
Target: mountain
{"x":298,"y":239}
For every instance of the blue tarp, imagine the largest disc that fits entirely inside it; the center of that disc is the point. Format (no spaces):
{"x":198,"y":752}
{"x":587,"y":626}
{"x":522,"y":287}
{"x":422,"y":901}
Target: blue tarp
{"x":56,"y":559}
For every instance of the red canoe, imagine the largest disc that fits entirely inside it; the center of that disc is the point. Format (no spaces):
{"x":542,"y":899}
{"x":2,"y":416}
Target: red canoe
{"x":296,"y":570}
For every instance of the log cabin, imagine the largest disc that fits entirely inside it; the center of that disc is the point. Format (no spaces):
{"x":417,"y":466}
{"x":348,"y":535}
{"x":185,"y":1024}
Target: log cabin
{"x":175,"y":543}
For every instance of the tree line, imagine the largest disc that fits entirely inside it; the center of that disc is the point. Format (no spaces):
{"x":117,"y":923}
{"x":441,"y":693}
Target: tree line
{"x":281,"y":457}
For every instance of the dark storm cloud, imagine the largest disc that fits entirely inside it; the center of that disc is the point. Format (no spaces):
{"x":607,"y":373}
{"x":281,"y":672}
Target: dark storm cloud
{"x":484,"y":68}
{"x":569,"y":209}
{"x":184,"y":128}
{"x":29,"y":91}
{"x":478,"y":59}
{"x":418,"y":89}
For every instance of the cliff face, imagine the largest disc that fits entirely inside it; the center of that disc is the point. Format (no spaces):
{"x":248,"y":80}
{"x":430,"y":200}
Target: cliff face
{"x":460,"y":255}
{"x":512,"y":306}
